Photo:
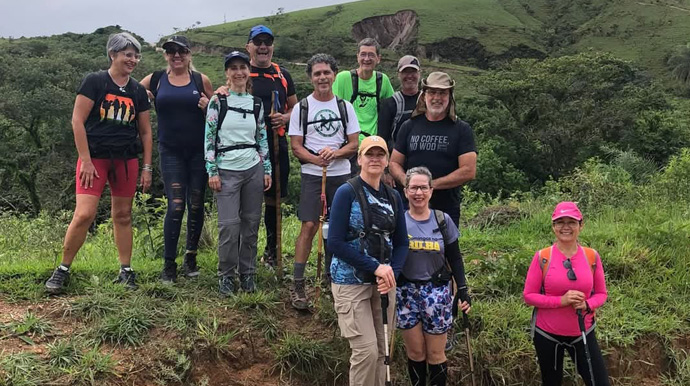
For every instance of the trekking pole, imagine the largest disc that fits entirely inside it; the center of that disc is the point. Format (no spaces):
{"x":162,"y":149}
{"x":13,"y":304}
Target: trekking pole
{"x":148,"y":226}
{"x":581,"y":322}
{"x":466,"y":324}
{"x":387,"y":357}
{"x":319,"y":248}
{"x":275,"y":107}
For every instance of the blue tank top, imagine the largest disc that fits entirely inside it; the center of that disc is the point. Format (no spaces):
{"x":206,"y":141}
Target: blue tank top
{"x":180,"y":120}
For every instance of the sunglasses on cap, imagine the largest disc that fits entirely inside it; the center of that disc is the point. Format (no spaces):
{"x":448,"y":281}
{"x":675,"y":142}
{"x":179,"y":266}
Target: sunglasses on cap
{"x":176,"y":50}
{"x":257,"y":41}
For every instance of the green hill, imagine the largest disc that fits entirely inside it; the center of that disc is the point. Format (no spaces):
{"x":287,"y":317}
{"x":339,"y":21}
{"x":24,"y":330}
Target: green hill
{"x":474,"y":32}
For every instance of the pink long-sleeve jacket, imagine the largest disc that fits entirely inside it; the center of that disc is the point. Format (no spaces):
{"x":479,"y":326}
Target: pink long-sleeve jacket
{"x":552,"y":317}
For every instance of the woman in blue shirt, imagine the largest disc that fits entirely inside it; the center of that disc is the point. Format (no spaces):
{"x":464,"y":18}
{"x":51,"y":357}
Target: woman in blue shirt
{"x":368,"y":239}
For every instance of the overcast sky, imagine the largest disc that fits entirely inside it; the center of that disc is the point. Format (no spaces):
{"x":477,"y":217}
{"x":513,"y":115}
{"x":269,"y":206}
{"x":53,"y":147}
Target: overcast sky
{"x":150,"y":19}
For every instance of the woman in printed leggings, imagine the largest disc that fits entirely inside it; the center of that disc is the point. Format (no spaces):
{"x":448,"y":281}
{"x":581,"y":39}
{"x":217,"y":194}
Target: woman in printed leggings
{"x":181,"y":96}
{"x":563,"y":281}
{"x":239,"y":170}
{"x":424,"y":297}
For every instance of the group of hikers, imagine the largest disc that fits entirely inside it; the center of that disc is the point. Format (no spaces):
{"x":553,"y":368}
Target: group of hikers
{"x":384,"y":167}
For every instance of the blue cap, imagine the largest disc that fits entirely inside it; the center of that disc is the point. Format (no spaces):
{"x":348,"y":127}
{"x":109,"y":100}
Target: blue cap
{"x":236,"y":55}
{"x":258,"y":30}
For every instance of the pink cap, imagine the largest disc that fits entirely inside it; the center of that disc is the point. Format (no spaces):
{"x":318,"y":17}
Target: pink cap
{"x":566,"y":209}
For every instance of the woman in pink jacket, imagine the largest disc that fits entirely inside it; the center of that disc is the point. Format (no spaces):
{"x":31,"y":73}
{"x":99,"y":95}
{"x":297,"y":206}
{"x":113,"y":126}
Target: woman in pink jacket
{"x":562,"y":281}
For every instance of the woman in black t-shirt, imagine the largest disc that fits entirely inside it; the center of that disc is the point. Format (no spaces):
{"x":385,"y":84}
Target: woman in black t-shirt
{"x":111,"y":127}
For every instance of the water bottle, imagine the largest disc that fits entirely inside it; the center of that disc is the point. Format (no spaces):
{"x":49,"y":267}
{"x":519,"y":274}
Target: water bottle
{"x":324,"y":230}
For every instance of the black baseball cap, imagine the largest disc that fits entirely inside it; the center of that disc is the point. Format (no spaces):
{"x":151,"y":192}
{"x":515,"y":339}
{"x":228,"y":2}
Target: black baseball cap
{"x":177,"y":40}
{"x":236,"y":55}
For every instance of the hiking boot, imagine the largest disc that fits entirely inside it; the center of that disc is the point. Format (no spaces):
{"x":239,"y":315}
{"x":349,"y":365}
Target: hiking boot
{"x":127,"y":277}
{"x":57,"y":280}
{"x":247,"y":283}
{"x":226,"y":286}
{"x":298,"y":295}
{"x":189,"y":267}
{"x":269,"y":259}
{"x":169,"y":273}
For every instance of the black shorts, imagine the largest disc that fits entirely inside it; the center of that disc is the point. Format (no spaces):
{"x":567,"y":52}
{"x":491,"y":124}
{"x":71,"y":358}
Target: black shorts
{"x":310,"y":195}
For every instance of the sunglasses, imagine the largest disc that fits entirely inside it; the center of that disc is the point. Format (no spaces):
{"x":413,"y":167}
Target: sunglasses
{"x":176,"y":50}
{"x":569,"y":266}
{"x":266,"y":41}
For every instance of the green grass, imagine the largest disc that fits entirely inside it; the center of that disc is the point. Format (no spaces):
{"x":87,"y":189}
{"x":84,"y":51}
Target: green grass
{"x":641,"y":232}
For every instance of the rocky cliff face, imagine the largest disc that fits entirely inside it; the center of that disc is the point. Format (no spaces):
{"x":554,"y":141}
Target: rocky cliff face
{"x":399,"y":32}
{"x":391,"y":31}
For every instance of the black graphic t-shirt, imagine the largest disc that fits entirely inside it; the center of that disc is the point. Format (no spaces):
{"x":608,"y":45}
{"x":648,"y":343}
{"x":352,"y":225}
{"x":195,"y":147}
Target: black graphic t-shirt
{"x":111,"y":127}
{"x":436,"y":145}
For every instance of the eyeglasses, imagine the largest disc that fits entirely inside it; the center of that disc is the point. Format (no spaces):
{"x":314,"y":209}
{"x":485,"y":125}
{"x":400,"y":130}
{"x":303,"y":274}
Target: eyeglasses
{"x":266,"y":41}
{"x":370,"y":55}
{"x":561,"y":224}
{"x":414,"y":189}
{"x":173,"y":51}
{"x":569,"y":266}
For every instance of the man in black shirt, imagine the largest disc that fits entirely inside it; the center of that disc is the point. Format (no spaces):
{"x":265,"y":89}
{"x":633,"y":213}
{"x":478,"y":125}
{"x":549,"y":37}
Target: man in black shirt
{"x":435,"y":138}
{"x":398,"y":108}
{"x":268,"y":77}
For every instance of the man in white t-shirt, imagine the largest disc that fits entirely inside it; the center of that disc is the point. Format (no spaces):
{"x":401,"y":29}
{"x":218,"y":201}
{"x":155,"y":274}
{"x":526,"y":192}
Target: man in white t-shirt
{"x":324,"y":133}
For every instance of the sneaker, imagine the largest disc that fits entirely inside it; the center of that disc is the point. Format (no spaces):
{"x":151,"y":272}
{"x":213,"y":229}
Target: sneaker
{"x":57,"y":280}
{"x":298,"y":295}
{"x":189,"y":267}
{"x":169,"y":273}
{"x":247,"y":283}
{"x":226,"y":285}
{"x":127,"y":277}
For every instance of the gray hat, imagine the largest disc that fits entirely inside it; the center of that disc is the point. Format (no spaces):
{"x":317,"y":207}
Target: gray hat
{"x":408,"y":61}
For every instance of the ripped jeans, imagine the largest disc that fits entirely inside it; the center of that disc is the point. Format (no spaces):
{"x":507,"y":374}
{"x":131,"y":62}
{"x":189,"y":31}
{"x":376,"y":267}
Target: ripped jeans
{"x":184,"y":180}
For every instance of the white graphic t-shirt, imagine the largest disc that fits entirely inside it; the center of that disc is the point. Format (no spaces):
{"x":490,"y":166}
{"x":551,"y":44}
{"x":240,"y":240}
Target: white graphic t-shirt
{"x":326,"y":131}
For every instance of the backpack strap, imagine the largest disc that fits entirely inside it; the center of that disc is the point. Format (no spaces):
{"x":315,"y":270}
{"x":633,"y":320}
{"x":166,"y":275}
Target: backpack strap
{"x":198,"y":81}
{"x":223,"y":101}
{"x":280,"y":76}
{"x":355,"y":85}
{"x":544,"y":263}
{"x":304,"y":118}
{"x":155,"y":82}
{"x":356,"y":185}
{"x":379,"y":83}
{"x":344,"y":119}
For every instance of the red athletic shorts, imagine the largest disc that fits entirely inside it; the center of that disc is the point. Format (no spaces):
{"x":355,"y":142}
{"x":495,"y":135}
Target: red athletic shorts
{"x":122,"y":181}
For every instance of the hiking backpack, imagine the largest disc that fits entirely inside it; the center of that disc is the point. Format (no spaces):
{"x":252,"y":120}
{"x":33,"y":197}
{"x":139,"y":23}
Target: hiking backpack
{"x":356,"y":184}
{"x":545,"y":262}
{"x":193,"y":75}
{"x":399,"y":100}
{"x":278,"y":74}
{"x":223,"y":100}
{"x":356,"y":93}
{"x":304,"y":120}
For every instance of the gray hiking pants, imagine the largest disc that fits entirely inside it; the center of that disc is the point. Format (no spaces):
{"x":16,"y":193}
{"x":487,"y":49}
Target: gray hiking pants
{"x":239,"y":213}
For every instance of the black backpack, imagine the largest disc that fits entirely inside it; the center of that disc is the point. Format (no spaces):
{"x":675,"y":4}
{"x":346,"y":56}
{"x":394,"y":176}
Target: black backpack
{"x":223,"y":99}
{"x":356,"y":93}
{"x":304,"y":120}
{"x":156,"y":79}
{"x":369,"y":230}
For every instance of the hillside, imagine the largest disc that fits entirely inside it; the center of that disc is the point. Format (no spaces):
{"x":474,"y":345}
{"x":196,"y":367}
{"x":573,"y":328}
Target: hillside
{"x":477,"y":33}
